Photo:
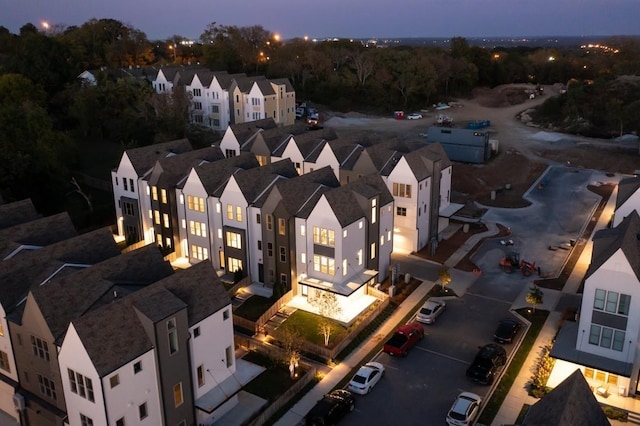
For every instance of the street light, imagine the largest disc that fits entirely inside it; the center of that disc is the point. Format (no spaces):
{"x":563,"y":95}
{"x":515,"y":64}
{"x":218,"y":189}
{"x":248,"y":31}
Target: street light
{"x":172,"y":47}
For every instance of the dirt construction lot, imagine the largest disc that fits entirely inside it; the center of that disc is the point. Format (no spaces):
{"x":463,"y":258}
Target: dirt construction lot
{"x":524,"y":150}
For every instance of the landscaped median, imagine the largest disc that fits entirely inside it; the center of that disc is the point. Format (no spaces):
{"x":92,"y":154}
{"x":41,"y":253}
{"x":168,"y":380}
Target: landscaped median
{"x":537,"y":319}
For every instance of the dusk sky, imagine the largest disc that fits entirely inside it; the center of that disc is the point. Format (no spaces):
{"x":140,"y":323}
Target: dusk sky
{"x":160,"y":19}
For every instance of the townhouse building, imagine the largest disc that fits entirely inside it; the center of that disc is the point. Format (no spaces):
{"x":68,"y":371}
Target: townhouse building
{"x":218,"y":99}
{"x":128,"y":191}
{"x":274,"y":222}
{"x":24,"y":271}
{"x":200,"y":209}
{"x":162,"y":220}
{"x":308,"y":151}
{"x":603,"y":342}
{"x":39,"y":326}
{"x":343,"y":245}
{"x":627,"y":200}
{"x":241,"y":224}
{"x":150,"y":357}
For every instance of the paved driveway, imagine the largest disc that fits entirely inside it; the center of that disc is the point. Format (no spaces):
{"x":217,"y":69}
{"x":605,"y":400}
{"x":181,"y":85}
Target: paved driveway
{"x":420,"y":388}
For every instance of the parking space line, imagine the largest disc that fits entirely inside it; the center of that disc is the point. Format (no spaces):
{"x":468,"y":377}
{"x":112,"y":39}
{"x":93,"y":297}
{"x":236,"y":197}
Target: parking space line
{"x":443,"y":355}
{"x":489,"y":298}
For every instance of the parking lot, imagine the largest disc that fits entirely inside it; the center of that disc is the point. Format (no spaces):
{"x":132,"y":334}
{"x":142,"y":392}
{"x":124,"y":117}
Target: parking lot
{"x":420,"y":388}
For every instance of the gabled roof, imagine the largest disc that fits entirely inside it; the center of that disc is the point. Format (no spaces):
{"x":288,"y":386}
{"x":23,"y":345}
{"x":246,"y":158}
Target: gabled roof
{"x":625,"y":237}
{"x":265,"y":87}
{"x":244,"y":131}
{"x":168,"y":171}
{"x":145,"y":157}
{"x":246,"y":83}
{"x":17,"y":212}
{"x":346,"y":152}
{"x":344,"y":200}
{"x":21,"y":273}
{"x":63,"y":300}
{"x":254,"y":182}
{"x":40,"y":232}
{"x":225,"y":80}
{"x":571,"y":403}
{"x":215,"y":175}
{"x":626,"y":188}
{"x":283,"y":81}
{"x":113,"y":335}
{"x":298,"y":191}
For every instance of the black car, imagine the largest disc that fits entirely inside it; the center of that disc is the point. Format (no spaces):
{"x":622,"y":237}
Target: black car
{"x":331,"y":408}
{"x":490,"y":358}
{"x":506,"y":330}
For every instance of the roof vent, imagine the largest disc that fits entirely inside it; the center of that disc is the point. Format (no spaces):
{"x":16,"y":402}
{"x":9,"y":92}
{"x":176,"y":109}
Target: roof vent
{"x":115,"y":294}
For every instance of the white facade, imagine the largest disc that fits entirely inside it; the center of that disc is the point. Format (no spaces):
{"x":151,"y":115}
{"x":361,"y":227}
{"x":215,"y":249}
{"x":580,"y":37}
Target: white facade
{"x":124,"y":181}
{"x":121,"y":401}
{"x":254,"y":234}
{"x":615,"y":275}
{"x":196,"y":225}
{"x":385,"y":239}
{"x":412,"y":202}
{"x":212,"y":358}
{"x":161,"y":84}
{"x":293,"y":153}
{"x":632,"y":203}
{"x":218,"y":105}
{"x":326,"y":158}
{"x":234,"y":215}
{"x":229,"y":145}
{"x":7,"y":368}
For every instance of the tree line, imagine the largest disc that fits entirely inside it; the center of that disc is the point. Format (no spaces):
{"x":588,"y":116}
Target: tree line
{"x":49,"y":120}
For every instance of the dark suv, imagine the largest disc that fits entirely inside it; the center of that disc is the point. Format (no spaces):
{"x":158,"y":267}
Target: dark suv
{"x":487,"y":363}
{"x":331,"y":408}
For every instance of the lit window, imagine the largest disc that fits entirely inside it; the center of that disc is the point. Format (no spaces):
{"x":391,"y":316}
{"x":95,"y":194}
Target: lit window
{"x":229,"y":211}
{"x":302,"y":230}
{"x":325,"y":237}
{"x":402,"y":190}
{"x":163,"y":196}
{"x":373,"y":250}
{"x":239,"y":214}
{"x":281,"y":226}
{"x":234,"y":240}
{"x":177,"y":395}
{"x":200,"y":374}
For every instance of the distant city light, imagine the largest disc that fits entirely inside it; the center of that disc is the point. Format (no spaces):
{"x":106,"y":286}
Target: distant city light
{"x":552,"y":58}
{"x":45,"y":25}
{"x":276,"y":37}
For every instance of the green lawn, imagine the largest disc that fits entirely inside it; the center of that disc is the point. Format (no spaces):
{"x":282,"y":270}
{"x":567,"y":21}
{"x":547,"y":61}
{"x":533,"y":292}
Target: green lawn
{"x":273,"y":382}
{"x":306,"y":325}
{"x":491,"y":408}
{"x":253,"y":307}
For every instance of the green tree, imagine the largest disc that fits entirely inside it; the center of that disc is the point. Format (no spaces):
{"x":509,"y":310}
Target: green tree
{"x":534,"y":297}
{"x":444,"y":276}
{"x":32,"y":151}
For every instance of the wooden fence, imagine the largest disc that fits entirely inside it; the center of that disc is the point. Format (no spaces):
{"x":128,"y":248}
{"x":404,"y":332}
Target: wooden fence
{"x":264,"y":318}
{"x":242,"y":283}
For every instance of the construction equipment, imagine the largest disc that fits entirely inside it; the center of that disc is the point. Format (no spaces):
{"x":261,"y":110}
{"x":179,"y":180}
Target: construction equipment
{"x":512,"y":261}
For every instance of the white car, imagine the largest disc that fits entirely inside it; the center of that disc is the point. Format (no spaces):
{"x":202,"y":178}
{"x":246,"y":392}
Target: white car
{"x":414,"y":116}
{"x":430,"y":311}
{"x":366,"y":378}
{"x":464,"y":409}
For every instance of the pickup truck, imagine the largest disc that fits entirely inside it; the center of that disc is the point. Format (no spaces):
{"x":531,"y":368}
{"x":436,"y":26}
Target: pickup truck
{"x":403,"y":339}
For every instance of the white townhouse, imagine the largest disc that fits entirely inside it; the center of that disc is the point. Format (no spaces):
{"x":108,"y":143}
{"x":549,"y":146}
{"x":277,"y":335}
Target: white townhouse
{"x":343,"y":244}
{"x":236,"y":135}
{"x":628,"y":199}
{"x":200,"y":209}
{"x":162,"y":355}
{"x":131,"y":192}
{"x":239,"y":228}
{"x":308,"y":151}
{"x":603,"y":343}
{"x":420,"y":182}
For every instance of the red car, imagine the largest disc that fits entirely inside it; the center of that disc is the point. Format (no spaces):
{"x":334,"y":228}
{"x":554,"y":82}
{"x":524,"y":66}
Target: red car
{"x":405,"y":337}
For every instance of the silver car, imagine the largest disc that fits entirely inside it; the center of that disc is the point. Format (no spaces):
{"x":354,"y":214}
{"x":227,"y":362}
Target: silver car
{"x":430,"y":311}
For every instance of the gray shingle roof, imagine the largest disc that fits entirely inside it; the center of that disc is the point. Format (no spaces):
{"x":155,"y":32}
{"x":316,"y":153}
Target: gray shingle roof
{"x":344,"y":200}
{"x":253,"y":182}
{"x":570,"y":403}
{"x":39,"y":232}
{"x":285,"y":82}
{"x":298,"y":191}
{"x":625,"y":236}
{"x":120,"y":336}
{"x":168,"y":171}
{"x":145,"y":157}
{"x":21,"y":273}
{"x":61,"y":301}
{"x":215,"y":175}
{"x":626,"y":188}
{"x":17,"y":212}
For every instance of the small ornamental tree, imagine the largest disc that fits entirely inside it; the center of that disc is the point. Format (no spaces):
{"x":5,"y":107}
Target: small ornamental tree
{"x":534,"y":297}
{"x":328,"y":307}
{"x":444,"y":276}
{"x":291,"y":343}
